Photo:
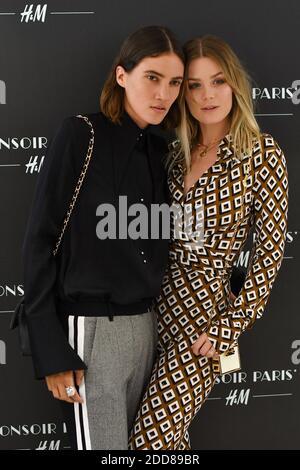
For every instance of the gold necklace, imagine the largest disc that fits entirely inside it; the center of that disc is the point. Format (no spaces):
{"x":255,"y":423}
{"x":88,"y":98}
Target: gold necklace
{"x":202,"y":153}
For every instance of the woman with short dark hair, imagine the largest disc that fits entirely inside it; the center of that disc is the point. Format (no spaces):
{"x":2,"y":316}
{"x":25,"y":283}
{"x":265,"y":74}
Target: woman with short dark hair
{"x":89,"y":309}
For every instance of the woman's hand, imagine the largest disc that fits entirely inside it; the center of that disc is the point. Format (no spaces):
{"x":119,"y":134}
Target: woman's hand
{"x":204,"y":347}
{"x":57,"y":384}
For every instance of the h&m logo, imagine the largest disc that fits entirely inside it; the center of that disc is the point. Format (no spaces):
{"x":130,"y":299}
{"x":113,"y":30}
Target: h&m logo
{"x":29,"y":14}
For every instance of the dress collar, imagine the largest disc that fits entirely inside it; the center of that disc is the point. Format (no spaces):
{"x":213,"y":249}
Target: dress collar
{"x":226,"y":153}
{"x":130,"y":127}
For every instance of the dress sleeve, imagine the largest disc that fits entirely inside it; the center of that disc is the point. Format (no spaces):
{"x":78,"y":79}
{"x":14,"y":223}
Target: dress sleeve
{"x":270,"y":227}
{"x":51,"y":352}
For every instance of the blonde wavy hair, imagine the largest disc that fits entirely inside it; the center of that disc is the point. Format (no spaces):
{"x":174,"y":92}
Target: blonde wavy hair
{"x":244,"y":128}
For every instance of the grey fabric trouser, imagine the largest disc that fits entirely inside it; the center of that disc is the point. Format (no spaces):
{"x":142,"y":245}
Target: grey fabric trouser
{"x":119,"y":355}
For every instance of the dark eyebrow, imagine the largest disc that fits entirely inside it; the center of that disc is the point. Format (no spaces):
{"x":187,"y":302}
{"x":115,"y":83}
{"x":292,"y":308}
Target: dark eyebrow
{"x":161,"y":75}
{"x":213,"y":76}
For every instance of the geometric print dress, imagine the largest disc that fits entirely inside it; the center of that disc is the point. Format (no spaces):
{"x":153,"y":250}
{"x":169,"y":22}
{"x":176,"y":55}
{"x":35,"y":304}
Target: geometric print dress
{"x":234,"y":195}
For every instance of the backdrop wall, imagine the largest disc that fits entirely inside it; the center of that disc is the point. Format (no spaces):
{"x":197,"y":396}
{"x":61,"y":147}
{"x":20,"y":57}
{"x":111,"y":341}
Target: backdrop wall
{"x":54,"y":57}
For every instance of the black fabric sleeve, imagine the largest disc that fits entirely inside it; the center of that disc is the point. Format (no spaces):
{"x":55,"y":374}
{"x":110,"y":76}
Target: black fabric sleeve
{"x":51,"y":352}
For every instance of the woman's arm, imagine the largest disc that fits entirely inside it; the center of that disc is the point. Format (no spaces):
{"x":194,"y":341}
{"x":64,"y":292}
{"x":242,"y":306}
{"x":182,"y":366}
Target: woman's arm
{"x":55,"y":185}
{"x":270,"y":224}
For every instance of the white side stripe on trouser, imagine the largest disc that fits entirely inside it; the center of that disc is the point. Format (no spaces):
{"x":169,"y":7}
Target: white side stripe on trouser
{"x":80,"y":351}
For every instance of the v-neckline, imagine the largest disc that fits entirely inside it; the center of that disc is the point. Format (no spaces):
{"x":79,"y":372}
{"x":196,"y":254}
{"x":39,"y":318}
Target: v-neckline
{"x":206,"y":171}
{"x":224,"y":156}
{"x":191,"y":188}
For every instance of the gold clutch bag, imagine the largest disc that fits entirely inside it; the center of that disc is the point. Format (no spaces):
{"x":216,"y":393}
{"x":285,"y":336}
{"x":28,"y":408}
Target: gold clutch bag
{"x":230,"y":361}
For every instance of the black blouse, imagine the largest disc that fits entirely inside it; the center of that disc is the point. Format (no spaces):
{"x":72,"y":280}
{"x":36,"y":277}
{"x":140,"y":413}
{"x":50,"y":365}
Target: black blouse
{"x":90,"y":276}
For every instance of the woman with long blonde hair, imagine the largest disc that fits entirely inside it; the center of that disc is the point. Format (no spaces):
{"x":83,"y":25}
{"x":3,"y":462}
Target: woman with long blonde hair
{"x":229,"y":178}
